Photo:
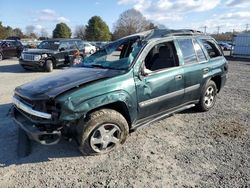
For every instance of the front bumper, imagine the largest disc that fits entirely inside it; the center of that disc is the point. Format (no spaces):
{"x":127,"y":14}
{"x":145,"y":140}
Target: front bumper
{"x":46,"y":134}
{"x":32,"y":64}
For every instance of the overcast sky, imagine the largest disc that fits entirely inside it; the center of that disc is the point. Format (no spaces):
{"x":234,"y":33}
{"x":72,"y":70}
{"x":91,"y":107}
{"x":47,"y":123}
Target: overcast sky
{"x":224,"y":15}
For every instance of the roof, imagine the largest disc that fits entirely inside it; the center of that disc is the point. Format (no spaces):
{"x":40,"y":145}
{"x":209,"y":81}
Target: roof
{"x":61,"y":39}
{"x":159,"y":33}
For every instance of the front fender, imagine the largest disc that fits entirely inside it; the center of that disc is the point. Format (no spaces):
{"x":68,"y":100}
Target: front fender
{"x":74,"y":110}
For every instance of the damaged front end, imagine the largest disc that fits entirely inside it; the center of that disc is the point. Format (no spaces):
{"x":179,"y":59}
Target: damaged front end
{"x":39,"y":119}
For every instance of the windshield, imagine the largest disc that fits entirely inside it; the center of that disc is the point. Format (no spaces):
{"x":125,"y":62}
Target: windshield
{"x":50,"y":45}
{"x":116,"y":55}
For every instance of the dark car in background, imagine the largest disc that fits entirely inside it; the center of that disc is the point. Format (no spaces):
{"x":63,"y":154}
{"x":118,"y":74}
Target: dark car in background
{"x":225,"y":46}
{"x":10,"y":48}
{"x":51,"y":54}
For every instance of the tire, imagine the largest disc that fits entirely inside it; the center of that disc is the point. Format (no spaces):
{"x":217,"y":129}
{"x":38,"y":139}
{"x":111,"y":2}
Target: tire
{"x":102,"y":132}
{"x":91,"y":51}
{"x":1,"y":56}
{"x":24,"y":144}
{"x":48,"y":66}
{"x":208,"y":97}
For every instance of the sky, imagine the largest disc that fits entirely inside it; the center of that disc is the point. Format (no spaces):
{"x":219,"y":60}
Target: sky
{"x":216,"y":15}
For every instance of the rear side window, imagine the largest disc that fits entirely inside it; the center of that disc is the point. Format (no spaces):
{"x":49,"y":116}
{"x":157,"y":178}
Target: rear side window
{"x":200,"y":54}
{"x":212,"y":48}
{"x":188,"y":52}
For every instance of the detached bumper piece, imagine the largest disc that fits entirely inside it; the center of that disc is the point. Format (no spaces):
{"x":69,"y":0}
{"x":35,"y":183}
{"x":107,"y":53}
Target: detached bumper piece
{"x":35,"y":131}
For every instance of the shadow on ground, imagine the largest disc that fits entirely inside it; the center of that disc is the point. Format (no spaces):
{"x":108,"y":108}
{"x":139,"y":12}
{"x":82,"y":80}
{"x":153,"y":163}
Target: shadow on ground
{"x":39,"y":153}
{"x":14,"y":68}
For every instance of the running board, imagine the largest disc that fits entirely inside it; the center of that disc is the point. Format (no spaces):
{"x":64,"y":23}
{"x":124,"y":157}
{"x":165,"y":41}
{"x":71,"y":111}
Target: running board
{"x":143,"y":124}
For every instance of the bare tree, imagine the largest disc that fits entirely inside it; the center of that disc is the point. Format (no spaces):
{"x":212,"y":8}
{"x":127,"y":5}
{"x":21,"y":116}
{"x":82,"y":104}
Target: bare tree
{"x":44,"y":33}
{"x":80,"y":31}
{"x":30,"y":29}
{"x":130,"y":22}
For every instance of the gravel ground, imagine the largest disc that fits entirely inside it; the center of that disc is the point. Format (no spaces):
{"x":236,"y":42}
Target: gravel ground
{"x":188,"y":149}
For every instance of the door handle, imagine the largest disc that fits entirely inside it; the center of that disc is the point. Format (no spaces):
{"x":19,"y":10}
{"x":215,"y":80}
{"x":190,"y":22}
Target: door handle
{"x":205,"y":70}
{"x":178,"y":77}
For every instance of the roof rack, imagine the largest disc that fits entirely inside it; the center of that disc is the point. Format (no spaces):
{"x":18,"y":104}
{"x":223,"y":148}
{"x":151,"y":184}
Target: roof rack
{"x":170,"y":32}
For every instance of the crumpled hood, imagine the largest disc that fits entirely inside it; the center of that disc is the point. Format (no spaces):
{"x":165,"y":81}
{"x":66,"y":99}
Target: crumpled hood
{"x":38,"y":51}
{"x":55,"y":84}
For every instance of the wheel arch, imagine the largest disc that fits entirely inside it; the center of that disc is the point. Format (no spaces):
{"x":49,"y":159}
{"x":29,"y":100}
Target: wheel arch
{"x":118,"y":106}
{"x":217,"y":81}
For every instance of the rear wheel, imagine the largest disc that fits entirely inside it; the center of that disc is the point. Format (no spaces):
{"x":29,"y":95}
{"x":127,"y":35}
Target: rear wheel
{"x":208,"y":97}
{"x":102,"y":132}
{"x":48,"y":66}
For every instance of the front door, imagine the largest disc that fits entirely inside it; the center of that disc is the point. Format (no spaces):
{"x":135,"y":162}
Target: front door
{"x":162,"y":86}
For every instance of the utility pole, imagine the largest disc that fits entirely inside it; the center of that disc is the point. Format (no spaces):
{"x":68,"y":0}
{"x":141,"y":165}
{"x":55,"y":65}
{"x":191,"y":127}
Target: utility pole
{"x":218,"y":30}
{"x":247,"y":25}
{"x":205,"y":29}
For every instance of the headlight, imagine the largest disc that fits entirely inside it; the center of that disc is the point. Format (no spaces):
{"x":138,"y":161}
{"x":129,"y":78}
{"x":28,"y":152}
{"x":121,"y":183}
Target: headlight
{"x":37,"y":57}
{"x":44,"y":55}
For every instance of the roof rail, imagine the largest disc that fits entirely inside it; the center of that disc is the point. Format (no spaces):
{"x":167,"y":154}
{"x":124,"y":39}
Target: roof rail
{"x":182,"y":32}
{"x":171,"y":32}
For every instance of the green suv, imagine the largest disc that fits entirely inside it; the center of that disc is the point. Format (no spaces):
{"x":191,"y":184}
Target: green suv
{"x":129,"y":83}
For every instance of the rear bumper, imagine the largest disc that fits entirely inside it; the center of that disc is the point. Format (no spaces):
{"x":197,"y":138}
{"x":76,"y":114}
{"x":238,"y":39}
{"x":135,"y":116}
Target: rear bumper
{"x":35,"y":131}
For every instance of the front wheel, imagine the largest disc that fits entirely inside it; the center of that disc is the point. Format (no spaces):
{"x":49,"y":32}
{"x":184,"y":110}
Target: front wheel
{"x":48,"y":66}
{"x":103,"y":131}
{"x":208,"y":97}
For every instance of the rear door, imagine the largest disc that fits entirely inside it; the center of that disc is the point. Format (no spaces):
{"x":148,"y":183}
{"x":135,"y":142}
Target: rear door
{"x":194,"y":66}
{"x":62,"y":55}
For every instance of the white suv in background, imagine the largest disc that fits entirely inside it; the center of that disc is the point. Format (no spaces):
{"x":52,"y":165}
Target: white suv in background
{"x":88,"y":48}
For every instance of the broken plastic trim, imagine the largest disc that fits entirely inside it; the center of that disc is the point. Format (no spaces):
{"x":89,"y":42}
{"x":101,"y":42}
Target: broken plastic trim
{"x":29,"y":110}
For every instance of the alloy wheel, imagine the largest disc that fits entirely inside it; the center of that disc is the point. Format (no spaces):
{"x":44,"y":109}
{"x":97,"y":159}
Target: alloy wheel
{"x":209,"y":96}
{"x":105,"y":137}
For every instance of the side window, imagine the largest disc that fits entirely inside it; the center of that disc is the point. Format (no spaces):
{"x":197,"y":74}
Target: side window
{"x":212,"y":48}
{"x":80,"y":44}
{"x":72,"y":45}
{"x":187,"y":49}
{"x":200,"y":54}
{"x":161,"y":56}
{"x":64,"y":45}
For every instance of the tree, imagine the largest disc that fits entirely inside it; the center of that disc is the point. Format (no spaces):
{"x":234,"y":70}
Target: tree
{"x":97,"y":30}
{"x":29,"y":29}
{"x":18,"y":33}
{"x":62,"y":31}
{"x":44,"y":33}
{"x":80,"y":31}
{"x":130,"y":22}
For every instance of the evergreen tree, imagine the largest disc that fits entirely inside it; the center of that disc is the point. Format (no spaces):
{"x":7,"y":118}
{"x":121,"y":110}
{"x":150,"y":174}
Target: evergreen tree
{"x":97,"y":30}
{"x":62,"y":31}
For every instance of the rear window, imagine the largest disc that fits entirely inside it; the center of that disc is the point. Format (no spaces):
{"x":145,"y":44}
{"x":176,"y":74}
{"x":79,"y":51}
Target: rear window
{"x":212,"y":48}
